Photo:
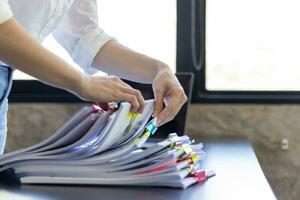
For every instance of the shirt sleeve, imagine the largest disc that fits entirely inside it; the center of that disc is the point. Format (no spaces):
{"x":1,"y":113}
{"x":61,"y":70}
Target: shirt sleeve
{"x":5,"y":12}
{"x":78,"y":32}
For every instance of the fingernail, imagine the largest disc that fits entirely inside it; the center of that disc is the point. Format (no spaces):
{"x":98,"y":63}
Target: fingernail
{"x":133,"y":111}
{"x":158,"y":122}
{"x":154,"y":113}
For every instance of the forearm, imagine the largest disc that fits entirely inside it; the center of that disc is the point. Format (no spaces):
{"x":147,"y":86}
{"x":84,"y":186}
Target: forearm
{"x":20,"y":51}
{"x":116,"y":59}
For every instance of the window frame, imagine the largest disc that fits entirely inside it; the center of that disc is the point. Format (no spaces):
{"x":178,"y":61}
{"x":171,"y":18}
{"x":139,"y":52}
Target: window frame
{"x":35,"y":91}
{"x":31,"y":91}
{"x":195,"y":9}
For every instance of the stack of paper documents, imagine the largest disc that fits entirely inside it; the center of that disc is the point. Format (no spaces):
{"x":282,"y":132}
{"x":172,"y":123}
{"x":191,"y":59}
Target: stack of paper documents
{"x":98,"y":147}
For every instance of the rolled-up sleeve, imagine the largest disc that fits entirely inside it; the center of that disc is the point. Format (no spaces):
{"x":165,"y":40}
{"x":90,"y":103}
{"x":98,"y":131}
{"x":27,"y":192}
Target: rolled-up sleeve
{"x":5,"y":12}
{"x":78,"y":32}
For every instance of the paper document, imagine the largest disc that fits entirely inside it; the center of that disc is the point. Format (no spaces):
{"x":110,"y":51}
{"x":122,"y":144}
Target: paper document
{"x":97,"y":147}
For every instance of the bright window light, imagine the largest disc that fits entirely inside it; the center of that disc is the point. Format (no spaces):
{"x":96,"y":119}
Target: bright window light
{"x":148,"y":27}
{"x":252,"y":45}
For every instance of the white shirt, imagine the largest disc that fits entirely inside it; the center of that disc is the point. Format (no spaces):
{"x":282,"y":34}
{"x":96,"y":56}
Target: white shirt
{"x":5,"y":12}
{"x":73,"y":23}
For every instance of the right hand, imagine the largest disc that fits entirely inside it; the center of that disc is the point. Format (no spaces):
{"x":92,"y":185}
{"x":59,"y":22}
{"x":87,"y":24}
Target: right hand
{"x":101,"y":89}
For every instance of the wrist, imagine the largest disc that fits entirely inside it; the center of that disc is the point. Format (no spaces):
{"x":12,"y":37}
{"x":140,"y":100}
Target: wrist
{"x":161,"y":68}
{"x":80,"y":85}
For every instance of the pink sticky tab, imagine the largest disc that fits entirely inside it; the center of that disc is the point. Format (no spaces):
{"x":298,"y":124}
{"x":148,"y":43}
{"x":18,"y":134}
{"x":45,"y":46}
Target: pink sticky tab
{"x":200,"y":176}
{"x":97,"y":109}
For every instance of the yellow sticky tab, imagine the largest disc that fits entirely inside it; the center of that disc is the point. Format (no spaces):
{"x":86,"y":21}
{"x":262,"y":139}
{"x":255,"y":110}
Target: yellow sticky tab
{"x":195,"y":157}
{"x":137,"y":140}
{"x":133,"y":115}
{"x":146,"y":134}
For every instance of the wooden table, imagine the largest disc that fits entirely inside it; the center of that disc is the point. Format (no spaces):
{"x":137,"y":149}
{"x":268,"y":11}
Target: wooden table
{"x":238,"y":176}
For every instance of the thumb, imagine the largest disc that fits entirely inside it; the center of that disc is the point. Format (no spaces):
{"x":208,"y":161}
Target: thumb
{"x":158,"y":104}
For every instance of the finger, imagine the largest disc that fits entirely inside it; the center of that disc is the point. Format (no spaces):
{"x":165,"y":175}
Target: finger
{"x":125,"y":92}
{"x":173,"y":107}
{"x":112,"y":105}
{"x":159,"y":102}
{"x":116,"y":79}
{"x":168,"y":113}
{"x":138,"y":95}
{"x":131,"y":99}
{"x":127,"y":88}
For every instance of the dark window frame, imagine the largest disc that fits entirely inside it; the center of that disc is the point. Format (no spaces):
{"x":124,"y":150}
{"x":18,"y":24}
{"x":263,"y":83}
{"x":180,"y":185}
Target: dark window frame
{"x":191,"y":35}
{"x":31,"y":91}
{"x":35,"y":91}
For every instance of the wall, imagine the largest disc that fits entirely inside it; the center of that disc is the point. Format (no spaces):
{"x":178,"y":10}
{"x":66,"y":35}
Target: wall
{"x":264,"y":125}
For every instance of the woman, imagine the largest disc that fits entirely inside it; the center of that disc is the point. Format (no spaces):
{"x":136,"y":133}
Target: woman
{"x":73,"y":23}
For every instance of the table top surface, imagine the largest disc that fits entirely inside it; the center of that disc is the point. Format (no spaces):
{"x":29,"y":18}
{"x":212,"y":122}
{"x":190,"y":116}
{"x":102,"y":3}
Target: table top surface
{"x":238,"y":176}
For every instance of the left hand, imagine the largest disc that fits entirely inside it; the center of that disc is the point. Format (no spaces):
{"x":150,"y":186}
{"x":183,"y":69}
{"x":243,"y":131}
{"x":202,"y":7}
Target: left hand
{"x":168,"y":90}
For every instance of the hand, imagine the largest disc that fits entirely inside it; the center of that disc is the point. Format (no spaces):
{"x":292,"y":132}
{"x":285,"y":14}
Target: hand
{"x":168,"y":90}
{"x":110,"y":88}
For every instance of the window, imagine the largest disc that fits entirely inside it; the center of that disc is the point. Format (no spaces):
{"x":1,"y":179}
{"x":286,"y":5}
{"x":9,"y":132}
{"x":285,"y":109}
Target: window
{"x":147,"y":26}
{"x":240,"y":51}
{"x":252,"y":45}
